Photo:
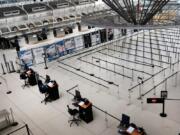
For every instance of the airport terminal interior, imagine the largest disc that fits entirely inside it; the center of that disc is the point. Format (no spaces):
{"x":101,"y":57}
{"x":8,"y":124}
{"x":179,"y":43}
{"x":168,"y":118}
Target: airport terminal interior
{"x":89,"y":67}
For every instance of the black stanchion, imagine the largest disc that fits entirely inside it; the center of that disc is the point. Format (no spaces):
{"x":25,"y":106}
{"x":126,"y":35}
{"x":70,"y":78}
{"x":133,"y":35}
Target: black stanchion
{"x":27,"y":129}
{"x":8,"y":91}
{"x":3,"y":69}
{"x":45,"y":61}
{"x":163,"y":114}
{"x":5,"y":62}
{"x":8,"y":67}
{"x":12,"y":67}
{"x":13,"y":121}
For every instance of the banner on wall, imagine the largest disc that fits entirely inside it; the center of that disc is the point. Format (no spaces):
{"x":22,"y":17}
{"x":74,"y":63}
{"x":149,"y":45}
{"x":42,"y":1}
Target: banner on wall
{"x":51,"y":52}
{"x":98,"y":38}
{"x":38,"y":55}
{"x":110,"y":34}
{"x":95,"y":38}
{"x":117,"y":33}
{"x":103,"y":35}
{"x":69,"y":45}
{"x":79,"y":42}
{"x":60,"y":48}
{"x":129,"y":31}
{"x":26,"y":57}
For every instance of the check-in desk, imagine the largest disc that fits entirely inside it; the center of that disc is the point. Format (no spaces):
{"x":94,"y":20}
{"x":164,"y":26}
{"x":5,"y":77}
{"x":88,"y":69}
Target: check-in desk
{"x":53,"y":91}
{"x":130,"y":131}
{"x":85,"y":111}
{"x":31,"y":77}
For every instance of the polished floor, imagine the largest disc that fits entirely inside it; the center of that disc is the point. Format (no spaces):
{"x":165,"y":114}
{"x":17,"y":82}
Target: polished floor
{"x":52,"y":118}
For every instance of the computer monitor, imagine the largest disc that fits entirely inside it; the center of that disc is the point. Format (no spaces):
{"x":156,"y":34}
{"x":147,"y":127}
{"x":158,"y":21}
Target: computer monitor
{"x":77,"y":95}
{"x":125,"y":120}
{"x":130,"y":130}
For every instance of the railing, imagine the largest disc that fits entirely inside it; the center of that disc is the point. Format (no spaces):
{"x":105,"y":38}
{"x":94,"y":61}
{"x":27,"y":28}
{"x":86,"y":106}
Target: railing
{"x":27,"y":131}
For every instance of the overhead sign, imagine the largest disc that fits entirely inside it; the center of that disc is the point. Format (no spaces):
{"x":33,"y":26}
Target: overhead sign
{"x":155,"y":100}
{"x":164,"y":94}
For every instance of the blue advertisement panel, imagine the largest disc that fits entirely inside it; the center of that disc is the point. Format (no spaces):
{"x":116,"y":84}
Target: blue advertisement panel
{"x":51,"y":52}
{"x":69,"y":45}
{"x":38,"y":55}
{"x":26,"y":57}
{"x":79,"y":42}
{"x":61,"y":48}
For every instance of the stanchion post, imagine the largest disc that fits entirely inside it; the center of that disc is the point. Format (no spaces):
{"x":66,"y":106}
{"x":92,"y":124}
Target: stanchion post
{"x":161,"y":60}
{"x":106,"y":64}
{"x":132,"y":75}
{"x":5,"y":62}
{"x":118,"y":92}
{"x":45,"y":61}
{"x":176,"y":79}
{"x":170,"y":62}
{"x":8,"y":67}
{"x":13,"y":121}
{"x":154,"y":93}
{"x":123,"y":71}
{"x":3,"y":69}
{"x":142,"y":103}
{"x":27,"y":129}
{"x":129,"y":97}
{"x":106,"y":119}
{"x":114,"y":68}
{"x":166,"y":84}
{"x":163,"y":114}
{"x":140,"y":81}
{"x":12,"y":65}
{"x":164,"y":73}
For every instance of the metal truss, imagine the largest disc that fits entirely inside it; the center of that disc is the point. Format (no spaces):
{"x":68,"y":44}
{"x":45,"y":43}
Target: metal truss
{"x":156,"y":14}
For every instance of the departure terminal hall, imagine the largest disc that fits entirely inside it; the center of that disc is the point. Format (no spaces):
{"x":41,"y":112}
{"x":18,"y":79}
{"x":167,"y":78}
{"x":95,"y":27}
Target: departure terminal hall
{"x":89,"y":67}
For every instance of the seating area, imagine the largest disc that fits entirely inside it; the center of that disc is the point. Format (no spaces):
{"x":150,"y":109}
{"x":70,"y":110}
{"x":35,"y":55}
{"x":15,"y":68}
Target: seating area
{"x":74,"y":114}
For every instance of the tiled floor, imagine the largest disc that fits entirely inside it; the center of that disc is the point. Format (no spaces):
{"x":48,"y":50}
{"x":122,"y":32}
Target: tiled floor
{"x":52,"y":119}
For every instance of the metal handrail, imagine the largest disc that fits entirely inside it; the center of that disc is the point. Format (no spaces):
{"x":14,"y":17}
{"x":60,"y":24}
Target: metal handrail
{"x":25,"y":126}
